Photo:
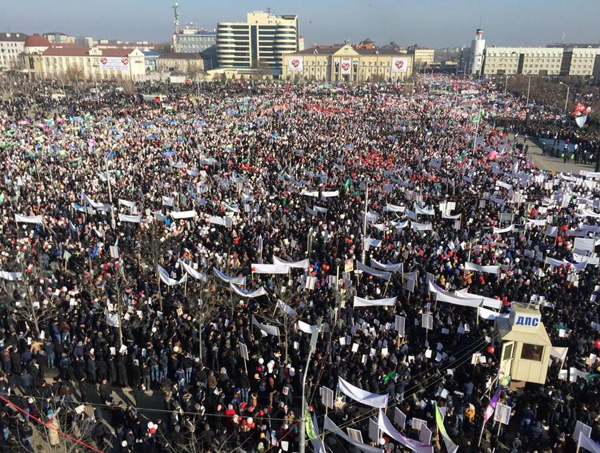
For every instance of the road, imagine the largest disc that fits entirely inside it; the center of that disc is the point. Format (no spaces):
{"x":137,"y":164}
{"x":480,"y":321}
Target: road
{"x":549,"y":163}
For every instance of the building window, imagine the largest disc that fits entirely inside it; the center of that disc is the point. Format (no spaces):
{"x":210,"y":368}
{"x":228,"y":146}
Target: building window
{"x":532,"y":352}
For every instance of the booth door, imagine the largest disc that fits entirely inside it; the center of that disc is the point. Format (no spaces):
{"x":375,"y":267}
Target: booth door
{"x":508,"y":354}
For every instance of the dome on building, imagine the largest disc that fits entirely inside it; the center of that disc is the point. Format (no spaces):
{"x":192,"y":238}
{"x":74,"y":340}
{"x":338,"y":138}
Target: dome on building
{"x":37,"y":41}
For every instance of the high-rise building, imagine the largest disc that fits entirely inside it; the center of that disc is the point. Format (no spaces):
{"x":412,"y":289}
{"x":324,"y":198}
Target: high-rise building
{"x":259,"y":43}
{"x":477,"y":50}
{"x":11,"y":48}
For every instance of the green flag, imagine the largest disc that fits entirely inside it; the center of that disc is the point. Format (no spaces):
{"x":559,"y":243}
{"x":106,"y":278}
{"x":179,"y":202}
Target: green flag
{"x":310,"y":429}
{"x":589,"y":377}
{"x":387,"y":377}
{"x":348,"y":183}
{"x":439,"y":418}
{"x":477,"y":117}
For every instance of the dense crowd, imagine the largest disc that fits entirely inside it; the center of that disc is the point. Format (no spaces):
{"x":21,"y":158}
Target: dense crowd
{"x":144,"y":272}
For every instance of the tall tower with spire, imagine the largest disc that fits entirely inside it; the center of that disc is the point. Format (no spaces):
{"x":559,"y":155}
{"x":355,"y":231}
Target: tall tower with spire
{"x":477,"y":51}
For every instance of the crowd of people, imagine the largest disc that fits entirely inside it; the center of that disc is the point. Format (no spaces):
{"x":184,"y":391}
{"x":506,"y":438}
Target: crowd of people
{"x":165,"y":263}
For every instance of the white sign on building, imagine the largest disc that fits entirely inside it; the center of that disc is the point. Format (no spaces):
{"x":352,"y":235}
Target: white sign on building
{"x":114,"y":63}
{"x":345,"y":67}
{"x":296,"y":64}
{"x":399,"y":64}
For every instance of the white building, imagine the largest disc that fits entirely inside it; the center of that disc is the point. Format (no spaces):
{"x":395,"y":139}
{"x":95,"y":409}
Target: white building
{"x":11,"y":48}
{"x":259,"y":43}
{"x":43,"y":60}
{"x":583,"y":60}
{"x":523,"y":60}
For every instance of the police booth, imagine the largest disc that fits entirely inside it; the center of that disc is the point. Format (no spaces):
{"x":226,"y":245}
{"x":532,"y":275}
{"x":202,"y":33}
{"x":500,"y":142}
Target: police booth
{"x":526,"y":346}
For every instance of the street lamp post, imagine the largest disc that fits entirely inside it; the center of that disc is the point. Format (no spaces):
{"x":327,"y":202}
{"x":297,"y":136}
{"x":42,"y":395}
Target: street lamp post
{"x":505,"y":82}
{"x":567,"y":98}
{"x":528,"y":90}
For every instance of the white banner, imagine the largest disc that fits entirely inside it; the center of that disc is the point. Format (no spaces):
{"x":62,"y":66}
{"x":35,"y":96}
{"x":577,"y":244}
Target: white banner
{"x":304,"y":264}
{"x":360,"y":302}
{"x":369,"y":399}
{"x":164,"y":277}
{"x":487,"y":301}
{"x":226,"y":278}
{"x":129,"y":204}
{"x":451,"y":217}
{"x":93,"y":204}
{"x":489,"y":315}
{"x":249,"y":294}
{"x":168,"y":201}
{"x":390,"y":267}
{"x":270,"y":268}
{"x":296,"y":64}
{"x":399,"y":64}
{"x":28,"y":219}
{"x":11,"y":276}
{"x":445,"y":296}
{"x":335,"y":193}
{"x":223,"y":221}
{"x":588,"y":444}
{"x":183,"y":215}
{"x":504,"y":230}
{"x":477,"y":268}
{"x":114,"y":63}
{"x":328,"y":425}
{"x":271,"y":330}
{"x":423,"y":211}
{"x":286,"y":309}
{"x":587,"y":245}
{"x":194,"y":273}
{"x":393,"y":208}
{"x":386,"y":426}
{"x":375,"y":272}
{"x":345,"y":67}
{"x":130,"y":218}
{"x":307,"y":328}
{"x":421,"y":226}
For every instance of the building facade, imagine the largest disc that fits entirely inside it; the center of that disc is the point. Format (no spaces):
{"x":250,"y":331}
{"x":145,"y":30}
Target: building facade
{"x":57,"y":37}
{"x":552,"y":60}
{"x":43,"y":60}
{"x":422,"y":56}
{"x":11,"y":48}
{"x":523,"y":60}
{"x":194,"y":40}
{"x":181,"y":63}
{"x":347,"y":64}
{"x":583,"y":60}
{"x":259,"y":43}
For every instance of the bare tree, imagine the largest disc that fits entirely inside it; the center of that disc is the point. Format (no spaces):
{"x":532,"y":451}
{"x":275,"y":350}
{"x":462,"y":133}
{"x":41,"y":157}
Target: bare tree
{"x":282,"y":312}
{"x":72,"y":425}
{"x":204,"y":305}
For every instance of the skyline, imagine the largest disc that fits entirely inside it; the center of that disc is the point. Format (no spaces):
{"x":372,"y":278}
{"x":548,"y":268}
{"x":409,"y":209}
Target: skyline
{"x":430,"y":23}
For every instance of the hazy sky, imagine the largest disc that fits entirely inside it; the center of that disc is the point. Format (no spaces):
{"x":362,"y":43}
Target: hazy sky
{"x":433,"y":23}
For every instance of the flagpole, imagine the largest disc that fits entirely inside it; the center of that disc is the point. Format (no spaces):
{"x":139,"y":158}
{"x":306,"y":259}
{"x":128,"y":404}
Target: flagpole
{"x":478,"y":116}
{"x":364,"y":252}
{"x":302,"y":434}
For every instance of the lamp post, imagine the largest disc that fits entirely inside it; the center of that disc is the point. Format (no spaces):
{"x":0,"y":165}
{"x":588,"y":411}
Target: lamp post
{"x":528,"y":90}
{"x":567,"y":98}
{"x":505,"y":82}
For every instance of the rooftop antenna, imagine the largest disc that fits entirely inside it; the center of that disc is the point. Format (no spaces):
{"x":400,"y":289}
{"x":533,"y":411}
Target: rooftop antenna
{"x":562,"y":41}
{"x":176,"y":19}
{"x":269,"y":10}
